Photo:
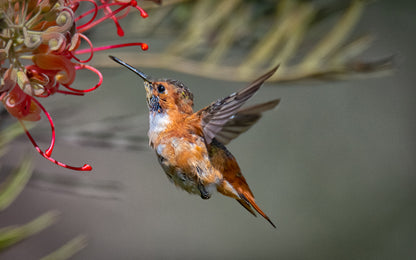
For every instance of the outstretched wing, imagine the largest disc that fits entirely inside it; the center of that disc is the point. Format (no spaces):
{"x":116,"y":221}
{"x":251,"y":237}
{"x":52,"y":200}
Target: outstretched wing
{"x":216,"y":115}
{"x":243,"y":120}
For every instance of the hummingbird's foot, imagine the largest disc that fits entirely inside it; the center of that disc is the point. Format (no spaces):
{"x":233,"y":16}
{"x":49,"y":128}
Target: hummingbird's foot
{"x":204,"y":193}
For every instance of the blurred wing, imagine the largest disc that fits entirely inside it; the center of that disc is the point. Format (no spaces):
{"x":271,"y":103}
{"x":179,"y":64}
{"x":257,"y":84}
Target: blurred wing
{"x":216,"y":115}
{"x":243,"y":120}
{"x":115,"y":132}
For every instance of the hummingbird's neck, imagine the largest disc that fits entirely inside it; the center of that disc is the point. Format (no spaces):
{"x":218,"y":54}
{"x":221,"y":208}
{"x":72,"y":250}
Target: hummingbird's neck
{"x":158,"y":123}
{"x":161,"y":123}
{"x":154,"y":105}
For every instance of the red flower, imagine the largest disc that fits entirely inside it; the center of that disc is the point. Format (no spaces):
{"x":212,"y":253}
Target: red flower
{"x":38,"y":47}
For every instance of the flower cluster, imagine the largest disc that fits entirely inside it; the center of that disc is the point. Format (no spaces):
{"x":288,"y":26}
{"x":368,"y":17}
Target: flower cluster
{"x":39,"y":44}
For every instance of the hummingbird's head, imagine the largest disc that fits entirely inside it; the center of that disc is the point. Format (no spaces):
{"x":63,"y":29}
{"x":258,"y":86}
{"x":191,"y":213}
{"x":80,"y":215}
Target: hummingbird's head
{"x":163,"y":94}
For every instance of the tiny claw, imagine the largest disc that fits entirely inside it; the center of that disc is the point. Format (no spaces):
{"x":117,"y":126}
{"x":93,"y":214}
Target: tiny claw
{"x":204,"y":193}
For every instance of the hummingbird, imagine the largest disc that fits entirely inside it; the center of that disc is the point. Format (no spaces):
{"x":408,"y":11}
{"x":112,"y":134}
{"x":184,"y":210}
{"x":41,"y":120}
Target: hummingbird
{"x":190,"y":146}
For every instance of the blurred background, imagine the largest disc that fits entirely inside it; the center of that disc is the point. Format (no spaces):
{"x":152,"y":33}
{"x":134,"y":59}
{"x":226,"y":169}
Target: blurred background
{"x":333,"y":166}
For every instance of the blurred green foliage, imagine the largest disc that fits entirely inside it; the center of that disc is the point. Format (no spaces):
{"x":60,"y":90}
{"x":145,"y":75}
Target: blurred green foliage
{"x":10,"y":190}
{"x":236,"y":40}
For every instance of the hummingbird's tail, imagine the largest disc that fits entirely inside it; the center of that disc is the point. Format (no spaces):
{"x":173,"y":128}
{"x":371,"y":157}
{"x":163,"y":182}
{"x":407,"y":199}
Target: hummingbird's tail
{"x":244,"y":196}
{"x":248,"y":202}
{"x":234,"y":184}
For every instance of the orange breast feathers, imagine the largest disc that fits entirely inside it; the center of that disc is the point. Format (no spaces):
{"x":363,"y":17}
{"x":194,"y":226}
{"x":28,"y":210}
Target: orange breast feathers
{"x":182,"y":146}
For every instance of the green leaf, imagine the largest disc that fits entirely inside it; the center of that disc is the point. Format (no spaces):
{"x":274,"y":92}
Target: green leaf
{"x":236,"y":40}
{"x":69,"y":249}
{"x":11,"y":132}
{"x":14,"y":184}
{"x":13,"y":234}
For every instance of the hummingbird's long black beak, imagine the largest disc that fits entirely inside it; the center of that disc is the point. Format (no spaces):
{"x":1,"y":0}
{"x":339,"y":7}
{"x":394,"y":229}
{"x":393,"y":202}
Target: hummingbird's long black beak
{"x":138,"y":72}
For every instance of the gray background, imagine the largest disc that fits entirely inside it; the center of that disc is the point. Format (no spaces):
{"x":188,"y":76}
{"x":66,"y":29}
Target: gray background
{"x":334,"y":167}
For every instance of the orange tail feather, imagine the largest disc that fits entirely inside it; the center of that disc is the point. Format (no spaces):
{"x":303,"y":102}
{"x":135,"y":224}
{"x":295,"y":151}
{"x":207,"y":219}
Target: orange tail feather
{"x":247,"y":200}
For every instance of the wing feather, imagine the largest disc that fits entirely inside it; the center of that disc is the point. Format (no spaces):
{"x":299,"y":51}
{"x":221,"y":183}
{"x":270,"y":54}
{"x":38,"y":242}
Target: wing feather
{"x":243,"y":120}
{"x":216,"y":115}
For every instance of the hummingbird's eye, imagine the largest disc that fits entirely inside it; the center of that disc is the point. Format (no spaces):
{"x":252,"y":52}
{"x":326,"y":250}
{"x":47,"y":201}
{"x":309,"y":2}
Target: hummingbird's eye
{"x":160,"y":88}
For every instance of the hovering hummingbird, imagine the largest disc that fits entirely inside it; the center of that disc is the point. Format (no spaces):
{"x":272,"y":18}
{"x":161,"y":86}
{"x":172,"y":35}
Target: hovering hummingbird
{"x":190,"y":146}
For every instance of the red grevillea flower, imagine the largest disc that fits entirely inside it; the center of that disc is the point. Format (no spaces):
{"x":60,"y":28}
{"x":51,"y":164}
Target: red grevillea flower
{"x":39,"y":43}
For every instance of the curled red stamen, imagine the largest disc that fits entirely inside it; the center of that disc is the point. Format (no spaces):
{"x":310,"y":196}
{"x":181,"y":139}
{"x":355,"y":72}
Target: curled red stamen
{"x":123,"y":15}
{"x":90,"y":50}
{"x":52,"y":36}
{"x":90,"y":68}
{"x":95,"y":11}
{"x":144,"y":47}
{"x":112,"y":15}
{"x":85,"y":27}
{"x":69,"y":93}
{"x":107,"y":10}
{"x":48,"y":151}
{"x":103,"y":6}
{"x":85,"y":167}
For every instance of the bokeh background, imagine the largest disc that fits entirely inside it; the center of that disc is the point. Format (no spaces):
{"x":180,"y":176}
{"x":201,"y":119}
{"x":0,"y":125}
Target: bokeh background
{"x":333,"y":166}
